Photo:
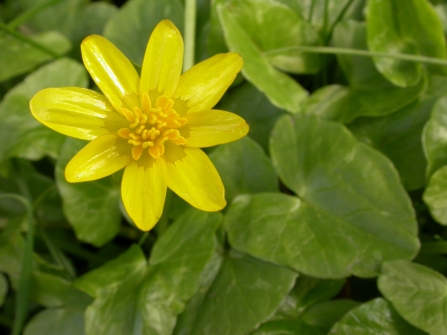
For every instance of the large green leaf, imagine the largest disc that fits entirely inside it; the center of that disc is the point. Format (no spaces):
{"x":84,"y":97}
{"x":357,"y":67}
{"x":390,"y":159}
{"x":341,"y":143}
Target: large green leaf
{"x":133,"y":297}
{"x":91,"y":207}
{"x":352,"y":214}
{"x":129,"y":29}
{"x":246,"y":101}
{"x":244,"y":293}
{"x":56,"y":321}
{"x":435,"y":195}
{"x":374,"y":317}
{"x":244,"y":168}
{"x":324,"y":314}
{"x":18,"y":57}
{"x":20,"y":134}
{"x":281,"y":89}
{"x":418,"y":293}
{"x":369,"y":93}
{"x":410,"y":27}
{"x":434,"y":140}
{"x":398,"y":135}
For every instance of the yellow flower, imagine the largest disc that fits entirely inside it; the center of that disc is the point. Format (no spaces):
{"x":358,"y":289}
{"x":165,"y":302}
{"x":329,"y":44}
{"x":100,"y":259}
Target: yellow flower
{"x":152,"y":127}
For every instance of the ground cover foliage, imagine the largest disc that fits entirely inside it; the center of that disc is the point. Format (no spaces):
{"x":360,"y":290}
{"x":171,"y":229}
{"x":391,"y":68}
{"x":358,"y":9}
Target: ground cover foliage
{"x":337,"y":198}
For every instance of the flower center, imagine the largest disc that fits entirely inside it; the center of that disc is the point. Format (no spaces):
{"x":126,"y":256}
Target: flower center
{"x":150,"y":127}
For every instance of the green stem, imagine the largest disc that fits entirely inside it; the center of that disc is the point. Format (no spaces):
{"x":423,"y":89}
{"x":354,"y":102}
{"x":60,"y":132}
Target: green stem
{"x":21,"y":301}
{"x":438,"y":247}
{"x":357,"y":52}
{"x":28,"y":40}
{"x":190,"y":33}
{"x":29,"y":14}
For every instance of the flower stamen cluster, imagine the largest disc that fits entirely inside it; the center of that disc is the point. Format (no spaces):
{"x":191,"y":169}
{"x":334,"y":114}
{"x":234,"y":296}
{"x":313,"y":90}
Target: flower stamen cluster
{"x":150,"y":127}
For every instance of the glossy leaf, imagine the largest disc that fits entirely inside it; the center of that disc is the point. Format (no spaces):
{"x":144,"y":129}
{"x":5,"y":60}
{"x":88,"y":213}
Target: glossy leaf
{"x":398,"y":135}
{"x":410,"y":27}
{"x":243,"y":294}
{"x":434,"y":140}
{"x":342,"y":184}
{"x":129,"y":29}
{"x":374,"y":317}
{"x":435,"y":195}
{"x":418,"y":293}
{"x":307,"y":292}
{"x":133,"y":297}
{"x":20,"y":134}
{"x":90,"y":207}
{"x":246,"y":101}
{"x":281,"y":89}
{"x":19,"y":57}
{"x":244,"y":168}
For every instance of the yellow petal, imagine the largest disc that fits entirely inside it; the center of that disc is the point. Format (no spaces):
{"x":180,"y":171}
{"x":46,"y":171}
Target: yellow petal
{"x":205,"y":83}
{"x":112,"y":71}
{"x":101,"y":157}
{"x":143,"y":191}
{"x":208,"y":128}
{"x":76,"y":112}
{"x":163,"y":59}
{"x":194,"y":178}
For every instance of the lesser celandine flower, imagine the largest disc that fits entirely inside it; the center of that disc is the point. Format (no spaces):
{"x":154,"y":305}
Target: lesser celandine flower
{"x":152,"y":126}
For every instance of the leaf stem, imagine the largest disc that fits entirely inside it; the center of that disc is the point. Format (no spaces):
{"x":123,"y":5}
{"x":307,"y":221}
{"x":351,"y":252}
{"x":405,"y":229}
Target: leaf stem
{"x":28,"y":40}
{"x":358,"y":52}
{"x":29,"y":14}
{"x":21,"y":301}
{"x":190,"y":32}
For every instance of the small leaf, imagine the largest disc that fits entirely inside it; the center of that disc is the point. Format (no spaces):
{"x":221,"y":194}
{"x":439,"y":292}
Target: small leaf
{"x":410,"y":27}
{"x":374,"y":317}
{"x":244,"y":293}
{"x":134,"y":297}
{"x":58,"y":321}
{"x":418,"y":293}
{"x":326,"y":313}
{"x":433,"y":140}
{"x":91,"y":207}
{"x":282,"y":90}
{"x":435,"y":195}
{"x":129,"y":29}
{"x":20,"y":134}
{"x":18,"y":57}
{"x":244,"y":168}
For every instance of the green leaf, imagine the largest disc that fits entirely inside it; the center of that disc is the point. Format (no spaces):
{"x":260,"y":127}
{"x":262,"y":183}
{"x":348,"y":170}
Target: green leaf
{"x":326,"y":313}
{"x":307,"y":292}
{"x":244,"y":168}
{"x":246,"y":101}
{"x":369,"y":93}
{"x":433,"y":141}
{"x":398,"y":135}
{"x":3,"y":288}
{"x":91,"y":207}
{"x":410,"y":27}
{"x":57,"y":321}
{"x":244,"y":293}
{"x":435,"y":195}
{"x":418,"y":293}
{"x":129,"y":29}
{"x":374,"y":317}
{"x":18,"y":57}
{"x":20,"y":134}
{"x":133,"y":298}
{"x":280,"y":89}
{"x":287,"y":327}
{"x":344,"y":185}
